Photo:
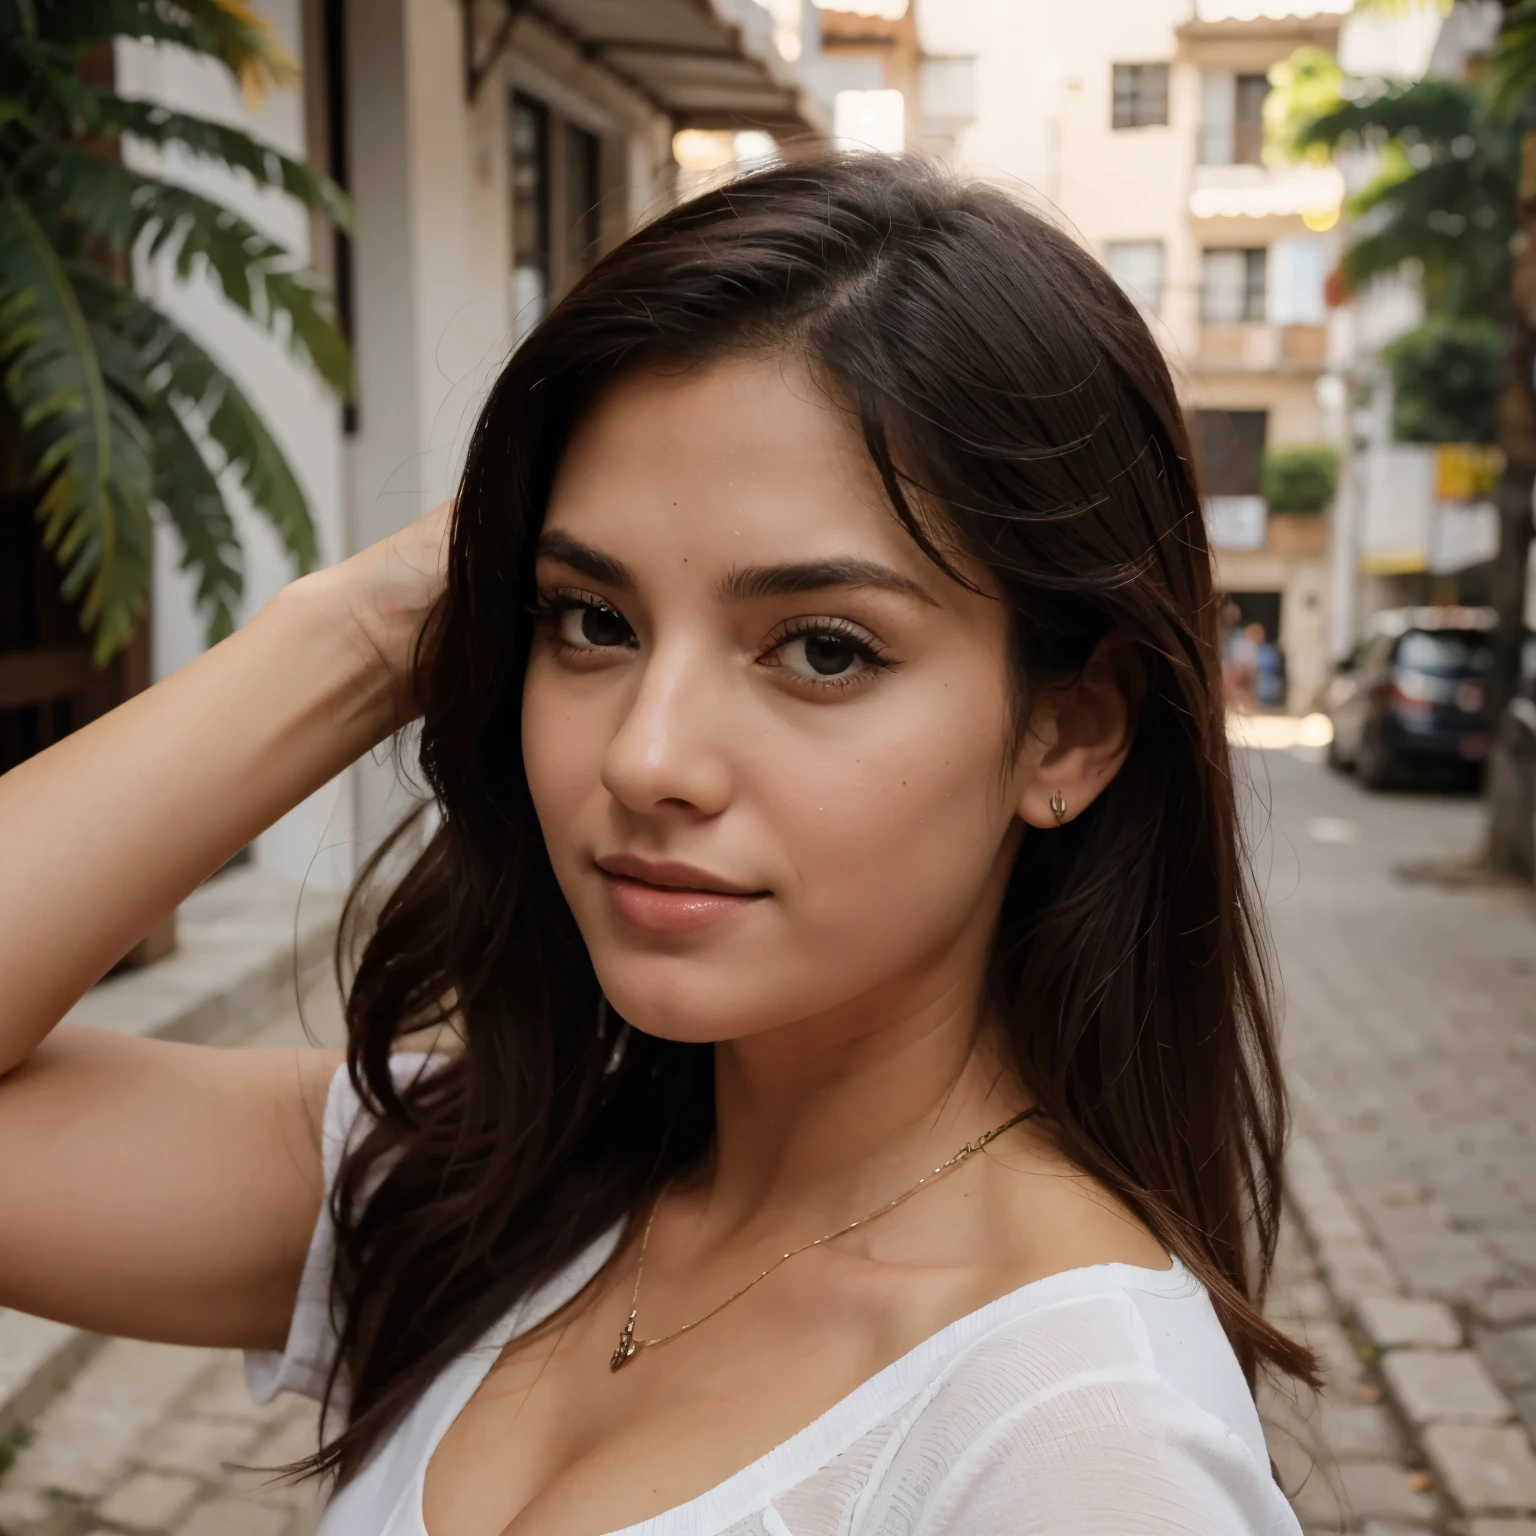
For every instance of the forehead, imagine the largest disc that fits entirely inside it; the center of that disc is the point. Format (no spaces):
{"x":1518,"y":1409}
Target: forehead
{"x":744,"y":461}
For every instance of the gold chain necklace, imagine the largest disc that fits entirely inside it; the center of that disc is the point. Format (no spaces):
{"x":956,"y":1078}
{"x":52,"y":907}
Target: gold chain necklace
{"x":630,"y":1346}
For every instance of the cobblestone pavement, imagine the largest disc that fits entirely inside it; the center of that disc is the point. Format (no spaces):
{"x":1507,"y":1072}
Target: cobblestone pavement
{"x":1410,"y":1047}
{"x":1408,"y":1259}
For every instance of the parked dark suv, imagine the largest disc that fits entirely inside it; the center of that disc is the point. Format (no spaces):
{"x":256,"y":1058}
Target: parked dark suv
{"x":1414,"y":694}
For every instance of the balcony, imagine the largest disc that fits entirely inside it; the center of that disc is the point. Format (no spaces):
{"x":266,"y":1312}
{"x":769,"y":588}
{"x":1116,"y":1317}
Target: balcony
{"x":1312,"y":192}
{"x":1269,"y":10}
{"x":1260,"y":348}
{"x":1293,"y":21}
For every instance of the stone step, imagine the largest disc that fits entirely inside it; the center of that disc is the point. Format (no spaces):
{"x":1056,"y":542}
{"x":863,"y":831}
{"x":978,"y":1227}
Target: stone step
{"x":247,"y":942}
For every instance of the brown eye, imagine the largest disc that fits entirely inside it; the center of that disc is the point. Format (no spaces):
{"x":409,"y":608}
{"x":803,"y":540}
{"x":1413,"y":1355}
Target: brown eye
{"x":827,"y":656}
{"x":594,"y":627}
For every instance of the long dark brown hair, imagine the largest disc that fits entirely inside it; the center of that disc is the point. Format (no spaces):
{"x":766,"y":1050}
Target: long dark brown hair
{"x":1017,"y":409}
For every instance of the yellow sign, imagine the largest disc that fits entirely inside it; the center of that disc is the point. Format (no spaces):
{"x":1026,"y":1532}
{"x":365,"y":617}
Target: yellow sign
{"x":1466,"y":471}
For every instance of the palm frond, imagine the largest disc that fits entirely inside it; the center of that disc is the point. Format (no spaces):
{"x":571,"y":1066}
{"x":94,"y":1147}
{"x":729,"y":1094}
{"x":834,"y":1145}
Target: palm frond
{"x":1512,"y":69}
{"x":76,"y":393}
{"x":188,"y":490}
{"x":127,"y":209}
{"x":200,"y":390}
{"x":225,"y":146}
{"x":1432,"y":109}
{"x":226,"y":30}
{"x":103,"y":114}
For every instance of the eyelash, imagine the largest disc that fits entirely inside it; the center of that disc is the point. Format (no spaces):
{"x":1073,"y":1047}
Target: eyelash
{"x":549,"y":612}
{"x":864,"y":645}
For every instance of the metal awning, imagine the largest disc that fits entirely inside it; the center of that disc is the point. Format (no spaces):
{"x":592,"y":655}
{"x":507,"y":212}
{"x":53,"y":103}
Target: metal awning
{"x":705,"y":63}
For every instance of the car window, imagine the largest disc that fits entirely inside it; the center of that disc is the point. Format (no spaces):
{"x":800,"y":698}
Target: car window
{"x":1380,"y":650}
{"x":1422,"y":650}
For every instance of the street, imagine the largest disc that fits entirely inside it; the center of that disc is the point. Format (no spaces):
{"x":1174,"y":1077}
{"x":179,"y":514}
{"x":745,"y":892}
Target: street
{"x":1410,"y":1041}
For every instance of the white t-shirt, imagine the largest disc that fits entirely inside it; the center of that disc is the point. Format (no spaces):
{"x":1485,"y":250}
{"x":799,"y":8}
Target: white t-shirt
{"x":1099,"y":1402}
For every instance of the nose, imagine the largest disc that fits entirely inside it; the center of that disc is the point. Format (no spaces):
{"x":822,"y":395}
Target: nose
{"x":668,"y":753}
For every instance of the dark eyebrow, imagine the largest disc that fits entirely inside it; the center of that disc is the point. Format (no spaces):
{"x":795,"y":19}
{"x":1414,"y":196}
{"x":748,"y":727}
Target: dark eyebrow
{"x":813,"y":575}
{"x":582,"y":557}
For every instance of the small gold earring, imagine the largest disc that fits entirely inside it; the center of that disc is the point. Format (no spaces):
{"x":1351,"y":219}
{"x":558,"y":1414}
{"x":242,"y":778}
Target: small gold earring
{"x":1059,"y":807}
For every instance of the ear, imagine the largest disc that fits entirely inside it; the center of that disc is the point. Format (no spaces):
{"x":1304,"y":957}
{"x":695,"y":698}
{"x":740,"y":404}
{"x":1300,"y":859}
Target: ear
{"x":1079,"y":735}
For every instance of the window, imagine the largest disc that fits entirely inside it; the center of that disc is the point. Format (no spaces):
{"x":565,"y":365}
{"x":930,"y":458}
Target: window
{"x":1445,"y":651}
{"x":1230,"y":448}
{"x":584,"y":191}
{"x":947,"y":90}
{"x":1232,"y":286}
{"x":1249,"y":92}
{"x":530,"y":212}
{"x":557,"y":206}
{"x":1137,"y":265}
{"x":1141,"y":95}
{"x":1298,"y":272}
{"x":1232,"y":117}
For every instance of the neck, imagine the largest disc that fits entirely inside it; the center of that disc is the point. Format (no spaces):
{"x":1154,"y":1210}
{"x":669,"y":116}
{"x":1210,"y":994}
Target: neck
{"x":831,"y":1114}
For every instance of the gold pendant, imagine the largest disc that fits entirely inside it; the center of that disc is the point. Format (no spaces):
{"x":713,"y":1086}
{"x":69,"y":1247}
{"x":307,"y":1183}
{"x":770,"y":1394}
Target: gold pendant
{"x":626,"y":1347}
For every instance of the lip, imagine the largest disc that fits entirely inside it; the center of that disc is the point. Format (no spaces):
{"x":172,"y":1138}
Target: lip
{"x":664,"y":896}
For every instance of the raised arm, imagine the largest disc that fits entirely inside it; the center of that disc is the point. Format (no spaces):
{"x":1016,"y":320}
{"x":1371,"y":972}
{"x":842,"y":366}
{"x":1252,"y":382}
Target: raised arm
{"x":162,"y":1190}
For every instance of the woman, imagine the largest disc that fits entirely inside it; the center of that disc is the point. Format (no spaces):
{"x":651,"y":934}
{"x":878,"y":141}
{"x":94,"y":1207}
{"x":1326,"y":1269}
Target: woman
{"x":859,"y":1108}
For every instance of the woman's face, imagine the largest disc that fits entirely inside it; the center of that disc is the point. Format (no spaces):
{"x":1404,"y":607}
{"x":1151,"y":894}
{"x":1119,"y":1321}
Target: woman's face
{"x":768,"y":740}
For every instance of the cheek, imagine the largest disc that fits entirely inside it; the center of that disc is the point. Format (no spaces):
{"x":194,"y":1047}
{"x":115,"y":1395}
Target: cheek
{"x":894,"y":835}
{"x":562,"y":758}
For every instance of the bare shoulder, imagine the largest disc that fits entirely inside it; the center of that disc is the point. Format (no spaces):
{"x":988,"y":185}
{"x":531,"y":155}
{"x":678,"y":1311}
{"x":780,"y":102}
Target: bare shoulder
{"x":1052,"y":1216}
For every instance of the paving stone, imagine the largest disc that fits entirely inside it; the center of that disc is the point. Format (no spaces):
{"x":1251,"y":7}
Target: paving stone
{"x":233,"y":1517}
{"x":1318,"y":1499}
{"x":20,"y":1506}
{"x":1508,"y":1304}
{"x":81,"y":1442}
{"x":150,"y":1501}
{"x":1381,"y":1488}
{"x":1482,"y":1467}
{"x":1399,"y":1320}
{"x":200,"y":1447}
{"x":1357,"y":1431}
{"x":1451,"y":1386}
{"x":1341,"y":1364}
{"x":1452,"y":1266}
{"x":296,"y":1438}
{"x":1510,"y":1354}
{"x":223,"y":1394}
{"x":1516,"y":1246}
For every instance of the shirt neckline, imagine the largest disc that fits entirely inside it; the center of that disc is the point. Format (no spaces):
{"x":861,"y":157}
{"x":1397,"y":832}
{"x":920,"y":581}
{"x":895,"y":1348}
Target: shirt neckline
{"x":826,"y":1436}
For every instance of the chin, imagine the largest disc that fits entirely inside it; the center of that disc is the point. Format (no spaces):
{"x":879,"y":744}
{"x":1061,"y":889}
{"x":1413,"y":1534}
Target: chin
{"x":690,"y":1002}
